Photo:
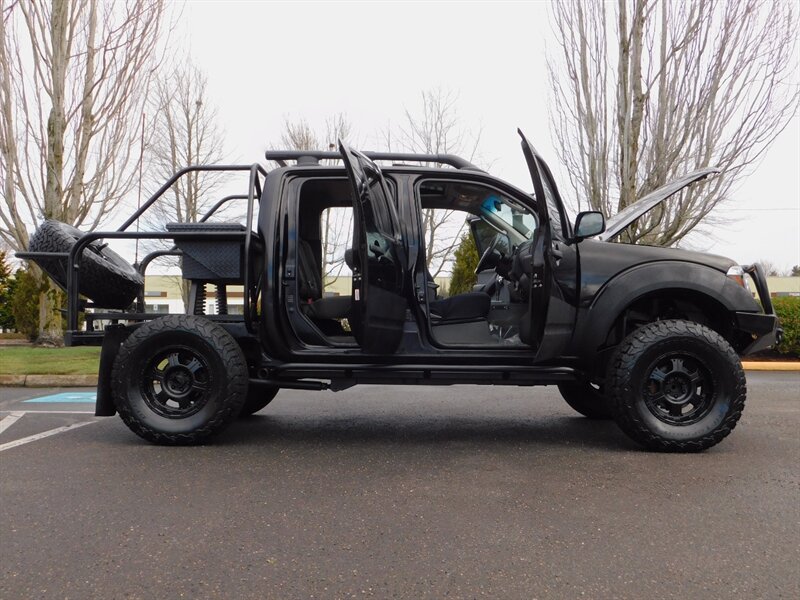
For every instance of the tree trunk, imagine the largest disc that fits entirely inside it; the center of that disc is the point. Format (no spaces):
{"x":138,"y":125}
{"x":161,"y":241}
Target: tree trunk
{"x":50,"y":332}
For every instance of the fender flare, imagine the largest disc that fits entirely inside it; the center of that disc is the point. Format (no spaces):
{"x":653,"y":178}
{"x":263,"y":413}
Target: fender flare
{"x":625,"y":288}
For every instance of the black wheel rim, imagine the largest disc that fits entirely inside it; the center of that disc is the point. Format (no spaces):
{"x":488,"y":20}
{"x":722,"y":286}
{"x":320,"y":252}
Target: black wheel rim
{"x":176,"y":382}
{"x":678,"y":389}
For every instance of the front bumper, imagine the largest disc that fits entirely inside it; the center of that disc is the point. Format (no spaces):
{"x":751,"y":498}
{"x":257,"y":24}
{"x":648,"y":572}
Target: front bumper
{"x":763,"y":327}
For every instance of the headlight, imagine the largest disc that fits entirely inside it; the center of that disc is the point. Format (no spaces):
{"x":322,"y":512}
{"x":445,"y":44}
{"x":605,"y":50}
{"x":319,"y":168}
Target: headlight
{"x":737,"y":274}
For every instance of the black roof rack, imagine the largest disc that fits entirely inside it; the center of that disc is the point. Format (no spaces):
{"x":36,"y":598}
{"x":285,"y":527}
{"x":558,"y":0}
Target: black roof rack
{"x":314,"y":156}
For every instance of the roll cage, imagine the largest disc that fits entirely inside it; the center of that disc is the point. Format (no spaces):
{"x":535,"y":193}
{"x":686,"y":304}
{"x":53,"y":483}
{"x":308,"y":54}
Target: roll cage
{"x":257,"y":174}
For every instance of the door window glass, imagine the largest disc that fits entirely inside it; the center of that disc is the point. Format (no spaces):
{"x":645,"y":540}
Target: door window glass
{"x":552,"y":206}
{"x":382,"y":201}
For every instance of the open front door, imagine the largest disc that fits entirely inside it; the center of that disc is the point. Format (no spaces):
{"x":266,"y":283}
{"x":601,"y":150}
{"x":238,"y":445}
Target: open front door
{"x":380,"y":265}
{"x":549,"y":322}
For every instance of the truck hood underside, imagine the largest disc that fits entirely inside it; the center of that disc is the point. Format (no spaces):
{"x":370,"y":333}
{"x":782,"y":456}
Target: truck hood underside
{"x":616,"y":224}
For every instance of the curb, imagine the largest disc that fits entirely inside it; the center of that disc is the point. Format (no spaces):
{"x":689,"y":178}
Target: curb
{"x":771,"y":365}
{"x":48,"y":380}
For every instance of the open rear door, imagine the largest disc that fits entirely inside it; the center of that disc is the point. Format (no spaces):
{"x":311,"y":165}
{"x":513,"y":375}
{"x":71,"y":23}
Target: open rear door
{"x":548,"y":325}
{"x":380,"y":265}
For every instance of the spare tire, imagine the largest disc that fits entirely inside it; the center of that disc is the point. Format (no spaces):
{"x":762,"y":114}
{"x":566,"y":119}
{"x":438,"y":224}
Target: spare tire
{"x":106,"y":278}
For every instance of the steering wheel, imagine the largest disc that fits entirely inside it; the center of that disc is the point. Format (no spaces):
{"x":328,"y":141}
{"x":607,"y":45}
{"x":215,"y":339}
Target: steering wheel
{"x":483,"y":263}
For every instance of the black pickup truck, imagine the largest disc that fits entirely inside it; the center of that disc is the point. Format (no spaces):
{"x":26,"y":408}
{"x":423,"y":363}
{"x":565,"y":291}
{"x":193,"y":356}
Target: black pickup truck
{"x":648,"y":336}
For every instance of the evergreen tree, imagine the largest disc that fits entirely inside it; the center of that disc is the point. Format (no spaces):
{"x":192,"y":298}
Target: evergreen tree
{"x":6,"y":290}
{"x":25,"y":303}
{"x":466,"y":259}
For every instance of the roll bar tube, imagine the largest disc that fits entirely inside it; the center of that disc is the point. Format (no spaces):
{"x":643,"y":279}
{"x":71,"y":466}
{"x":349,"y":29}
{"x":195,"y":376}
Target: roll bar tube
{"x":256,"y":171}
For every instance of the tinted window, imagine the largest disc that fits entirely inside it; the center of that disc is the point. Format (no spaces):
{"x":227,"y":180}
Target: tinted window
{"x":382,"y":200}
{"x":552,"y":205}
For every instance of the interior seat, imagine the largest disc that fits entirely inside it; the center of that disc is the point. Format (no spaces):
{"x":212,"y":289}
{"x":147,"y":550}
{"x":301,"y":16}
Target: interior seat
{"x":462,"y":307}
{"x":314,"y":305}
{"x":469,"y":306}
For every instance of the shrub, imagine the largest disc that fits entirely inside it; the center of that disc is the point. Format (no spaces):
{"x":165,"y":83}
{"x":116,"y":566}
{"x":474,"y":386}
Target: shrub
{"x":788,"y":310}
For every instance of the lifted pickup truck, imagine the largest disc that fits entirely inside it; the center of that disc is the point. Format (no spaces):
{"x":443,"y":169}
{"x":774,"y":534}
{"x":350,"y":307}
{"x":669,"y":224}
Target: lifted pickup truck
{"x":650,"y":337}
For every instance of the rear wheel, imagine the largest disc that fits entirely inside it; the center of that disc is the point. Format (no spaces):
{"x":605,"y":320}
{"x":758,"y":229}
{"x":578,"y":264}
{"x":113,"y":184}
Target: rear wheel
{"x":676,"y":386}
{"x":586,"y":399}
{"x":179,"y":380}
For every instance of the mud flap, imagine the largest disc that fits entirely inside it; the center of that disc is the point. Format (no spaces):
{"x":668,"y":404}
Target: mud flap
{"x":112,"y":340}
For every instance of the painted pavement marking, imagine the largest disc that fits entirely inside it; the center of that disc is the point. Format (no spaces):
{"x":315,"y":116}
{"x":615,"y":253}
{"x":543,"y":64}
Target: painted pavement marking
{"x":51,"y":412}
{"x":8,"y":421}
{"x":44,"y":434}
{"x":65,"y":397}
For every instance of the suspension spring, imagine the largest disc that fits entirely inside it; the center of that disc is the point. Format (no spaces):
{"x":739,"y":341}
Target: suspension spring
{"x":200,"y":299}
{"x":222,"y":299}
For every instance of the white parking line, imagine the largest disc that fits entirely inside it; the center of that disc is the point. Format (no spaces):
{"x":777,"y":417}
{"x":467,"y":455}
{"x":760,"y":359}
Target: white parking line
{"x":50,"y":412}
{"x":44,"y":434}
{"x":8,"y":421}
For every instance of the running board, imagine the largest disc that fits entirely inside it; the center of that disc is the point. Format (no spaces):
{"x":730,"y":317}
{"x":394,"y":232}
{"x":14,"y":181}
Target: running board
{"x":343,"y":376}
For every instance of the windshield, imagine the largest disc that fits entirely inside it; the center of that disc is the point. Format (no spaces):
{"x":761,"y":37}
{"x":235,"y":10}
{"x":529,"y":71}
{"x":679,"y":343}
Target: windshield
{"x":517,"y":217}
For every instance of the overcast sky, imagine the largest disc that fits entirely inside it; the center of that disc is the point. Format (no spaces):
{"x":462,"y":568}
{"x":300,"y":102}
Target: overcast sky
{"x":269,"y":61}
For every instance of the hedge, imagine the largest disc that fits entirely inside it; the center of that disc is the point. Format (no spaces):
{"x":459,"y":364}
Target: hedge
{"x":788,"y":310}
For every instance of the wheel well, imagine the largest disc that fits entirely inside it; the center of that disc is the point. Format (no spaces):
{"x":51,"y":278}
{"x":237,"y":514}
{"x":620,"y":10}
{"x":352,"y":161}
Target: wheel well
{"x":682,"y":304}
{"x":670,"y":304}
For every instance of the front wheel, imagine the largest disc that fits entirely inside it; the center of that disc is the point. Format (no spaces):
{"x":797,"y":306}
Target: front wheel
{"x":179,"y":380}
{"x":676,"y":386}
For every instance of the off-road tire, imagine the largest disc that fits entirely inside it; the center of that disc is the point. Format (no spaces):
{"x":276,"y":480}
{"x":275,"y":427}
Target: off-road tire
{"x":632,"y":386}
{"x":105,"y":277}
{"x":258,"y":397}
{"x":585,"y":399}
{"x":222,"y":373}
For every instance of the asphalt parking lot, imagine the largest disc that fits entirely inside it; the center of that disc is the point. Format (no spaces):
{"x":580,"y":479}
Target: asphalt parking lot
{"x":398,"y":492}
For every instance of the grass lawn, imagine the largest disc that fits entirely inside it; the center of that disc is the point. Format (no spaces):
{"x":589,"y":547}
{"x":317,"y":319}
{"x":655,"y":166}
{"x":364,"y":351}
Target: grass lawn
{"x":24,"y":360}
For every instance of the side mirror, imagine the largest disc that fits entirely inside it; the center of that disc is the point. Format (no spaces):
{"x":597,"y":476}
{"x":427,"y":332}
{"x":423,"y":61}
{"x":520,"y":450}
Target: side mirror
{"x":589,"y":224}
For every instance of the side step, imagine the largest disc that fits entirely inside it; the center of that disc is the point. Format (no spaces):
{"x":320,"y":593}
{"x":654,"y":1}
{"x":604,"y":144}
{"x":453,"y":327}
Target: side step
{"x":296,"y":375}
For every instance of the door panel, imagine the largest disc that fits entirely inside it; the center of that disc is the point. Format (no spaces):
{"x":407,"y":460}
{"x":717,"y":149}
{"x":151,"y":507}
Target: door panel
{"x":380,"y":265}
{"x":549,"y":323}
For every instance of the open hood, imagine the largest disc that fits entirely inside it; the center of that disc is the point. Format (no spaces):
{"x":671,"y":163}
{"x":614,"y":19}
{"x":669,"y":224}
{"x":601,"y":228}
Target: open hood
{"x":617,"y":223}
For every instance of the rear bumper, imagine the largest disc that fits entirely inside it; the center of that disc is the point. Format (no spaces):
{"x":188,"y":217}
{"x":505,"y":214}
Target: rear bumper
{"x":764,"y":327}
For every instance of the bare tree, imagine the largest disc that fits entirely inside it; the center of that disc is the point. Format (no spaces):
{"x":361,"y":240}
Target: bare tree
{"x":435,"y":127}
{"x":183,"y":131}
{"x":73,"y":77}
{"x":646,"y":90}
{"x":771,"y":269}
{"x":336,"y":227}
{"x":298,"y":135}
